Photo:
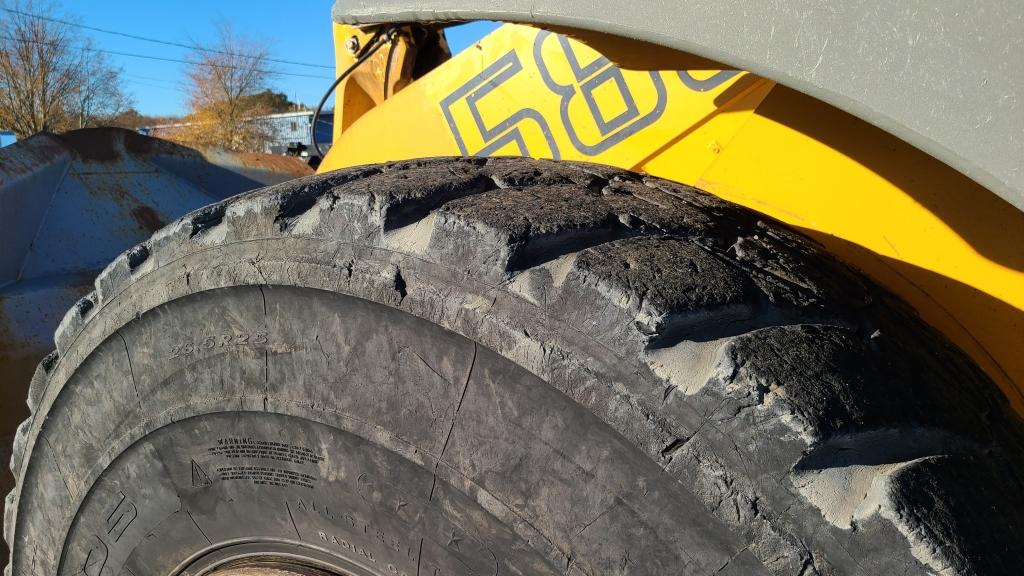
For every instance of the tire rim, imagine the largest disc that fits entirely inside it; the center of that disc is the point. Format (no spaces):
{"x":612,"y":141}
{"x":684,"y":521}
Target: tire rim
{"x":269,"y":567}
{"x":270,"y":558}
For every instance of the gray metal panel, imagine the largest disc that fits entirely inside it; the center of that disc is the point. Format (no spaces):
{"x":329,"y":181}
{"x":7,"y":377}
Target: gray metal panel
{"x":943,"y":75}
{"x":70,"y":204}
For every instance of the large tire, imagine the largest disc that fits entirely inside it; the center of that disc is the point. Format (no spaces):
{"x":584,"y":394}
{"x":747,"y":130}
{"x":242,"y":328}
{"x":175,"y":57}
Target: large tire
{"x":505,"y":366}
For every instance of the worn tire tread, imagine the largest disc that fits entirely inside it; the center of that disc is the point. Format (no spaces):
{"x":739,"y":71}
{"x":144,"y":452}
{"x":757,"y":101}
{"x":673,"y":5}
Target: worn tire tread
{"x":650,"y":268}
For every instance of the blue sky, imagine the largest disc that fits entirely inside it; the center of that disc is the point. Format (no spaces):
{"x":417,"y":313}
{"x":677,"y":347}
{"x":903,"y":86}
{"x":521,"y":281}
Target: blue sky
{"x":297,"y":31}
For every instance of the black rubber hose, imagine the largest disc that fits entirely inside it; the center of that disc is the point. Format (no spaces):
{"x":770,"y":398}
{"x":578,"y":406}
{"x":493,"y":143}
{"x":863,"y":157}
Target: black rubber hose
{"x":374,"y":45}
{"x":387,"y":67}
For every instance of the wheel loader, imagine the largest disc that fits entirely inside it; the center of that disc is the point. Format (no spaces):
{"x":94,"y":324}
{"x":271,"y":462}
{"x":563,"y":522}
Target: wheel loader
{"x":698,"y":288}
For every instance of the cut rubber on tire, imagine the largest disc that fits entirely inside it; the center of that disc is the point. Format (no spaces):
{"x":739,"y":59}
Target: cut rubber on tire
{"x":504,"y":366}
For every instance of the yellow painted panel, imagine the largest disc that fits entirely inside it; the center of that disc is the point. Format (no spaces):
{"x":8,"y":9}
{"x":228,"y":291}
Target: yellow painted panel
{"x":939,"y":240}
{"x":546,"y":96}
{"x":950,"y":248}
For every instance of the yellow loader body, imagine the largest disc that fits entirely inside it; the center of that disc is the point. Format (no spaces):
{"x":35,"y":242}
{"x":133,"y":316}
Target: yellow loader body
{"x":948,"y":246}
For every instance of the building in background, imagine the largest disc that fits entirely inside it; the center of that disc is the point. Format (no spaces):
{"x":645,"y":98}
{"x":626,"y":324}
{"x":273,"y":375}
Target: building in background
{"x":292,"y":132}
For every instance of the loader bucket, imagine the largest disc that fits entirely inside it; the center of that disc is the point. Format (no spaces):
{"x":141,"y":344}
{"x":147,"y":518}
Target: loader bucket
{"x":69,"y":204}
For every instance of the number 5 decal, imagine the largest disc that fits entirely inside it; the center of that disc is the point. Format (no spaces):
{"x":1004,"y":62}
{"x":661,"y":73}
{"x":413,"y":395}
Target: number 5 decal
{"x":470,"y":98}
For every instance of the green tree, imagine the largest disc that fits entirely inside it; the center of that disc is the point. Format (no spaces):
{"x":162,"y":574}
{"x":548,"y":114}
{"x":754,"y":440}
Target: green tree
{"x":275,"y":102}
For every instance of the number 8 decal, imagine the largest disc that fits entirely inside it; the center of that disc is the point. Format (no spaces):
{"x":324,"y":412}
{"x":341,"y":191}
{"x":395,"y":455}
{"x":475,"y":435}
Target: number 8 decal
{"x":586,"y":81}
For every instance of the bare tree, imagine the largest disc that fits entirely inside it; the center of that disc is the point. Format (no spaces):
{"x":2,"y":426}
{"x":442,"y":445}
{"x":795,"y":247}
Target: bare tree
{"x":39,"y":70}
{"x":221,"y":84}
{"x":47,"y":81}
{"x":98,"y":97}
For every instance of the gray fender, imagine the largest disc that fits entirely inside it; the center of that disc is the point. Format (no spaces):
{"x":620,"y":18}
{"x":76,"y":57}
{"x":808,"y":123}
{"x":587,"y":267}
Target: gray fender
{"x":945,"y":76}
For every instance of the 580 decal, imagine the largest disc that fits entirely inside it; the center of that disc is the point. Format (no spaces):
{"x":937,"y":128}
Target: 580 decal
{"x":598,"y":105}
{"x":222,"y":340}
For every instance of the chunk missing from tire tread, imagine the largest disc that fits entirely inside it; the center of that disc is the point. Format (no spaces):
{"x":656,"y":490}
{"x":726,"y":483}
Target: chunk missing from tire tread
{"x":795,"y":351}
